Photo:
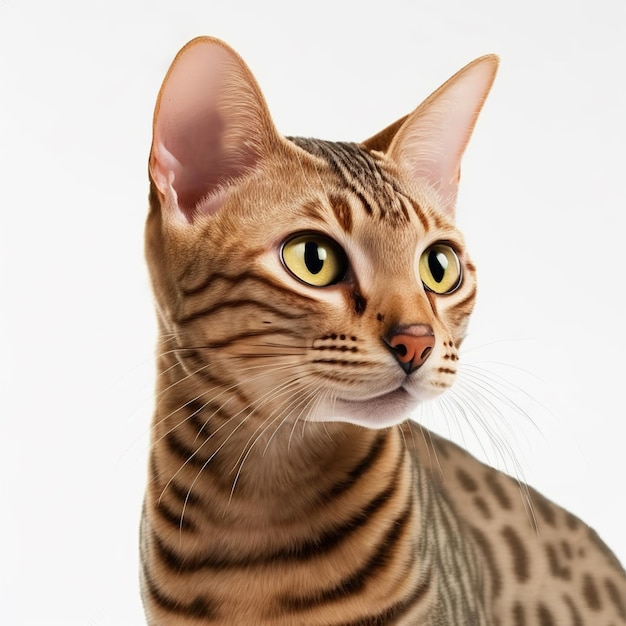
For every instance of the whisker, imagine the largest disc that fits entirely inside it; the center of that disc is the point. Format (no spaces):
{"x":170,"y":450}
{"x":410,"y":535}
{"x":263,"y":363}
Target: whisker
{"x":477,"y":394}
{"x":212,"y":399}
{"x":272,"y":419}
{"x":267,"y":397}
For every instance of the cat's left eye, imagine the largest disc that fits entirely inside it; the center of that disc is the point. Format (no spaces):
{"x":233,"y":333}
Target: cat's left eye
{"x":315,"y":260}
{"x":440,"y":268}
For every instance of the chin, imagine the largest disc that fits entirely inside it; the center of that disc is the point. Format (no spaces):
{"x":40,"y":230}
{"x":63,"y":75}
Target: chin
{"x":389,"y":409}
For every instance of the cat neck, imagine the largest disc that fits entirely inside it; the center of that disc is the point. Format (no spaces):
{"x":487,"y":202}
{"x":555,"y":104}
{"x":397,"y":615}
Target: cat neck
{"x":233,"y":489}
{"x":284,"y":469}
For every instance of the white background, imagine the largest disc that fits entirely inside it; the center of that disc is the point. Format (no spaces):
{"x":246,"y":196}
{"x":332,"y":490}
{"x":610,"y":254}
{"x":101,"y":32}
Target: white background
{"x":542,"y":205}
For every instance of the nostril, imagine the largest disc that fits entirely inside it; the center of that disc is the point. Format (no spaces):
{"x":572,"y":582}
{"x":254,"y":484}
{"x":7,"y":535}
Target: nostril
{"x":426,"y":352}
{"x":401,"y":349}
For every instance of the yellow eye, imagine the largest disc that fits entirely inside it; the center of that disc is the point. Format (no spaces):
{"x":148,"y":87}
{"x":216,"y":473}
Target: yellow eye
{"x":440,"y":269}
{"x":315,"y":260}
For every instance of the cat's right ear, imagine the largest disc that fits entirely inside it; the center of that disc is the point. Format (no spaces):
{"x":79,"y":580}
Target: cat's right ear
{"x":429,"y":142}
{"x":211,"y":127}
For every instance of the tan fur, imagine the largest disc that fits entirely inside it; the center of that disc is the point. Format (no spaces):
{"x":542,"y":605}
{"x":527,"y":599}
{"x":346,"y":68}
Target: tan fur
{"x":285,"y":486}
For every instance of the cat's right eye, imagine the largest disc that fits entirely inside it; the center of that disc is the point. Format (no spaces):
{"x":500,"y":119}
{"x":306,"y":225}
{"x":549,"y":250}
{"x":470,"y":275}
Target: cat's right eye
{"x":314,"y":259}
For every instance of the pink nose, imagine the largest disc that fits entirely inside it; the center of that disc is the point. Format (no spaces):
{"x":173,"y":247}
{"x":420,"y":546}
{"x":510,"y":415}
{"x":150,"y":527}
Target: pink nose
{"x":412,"y":345}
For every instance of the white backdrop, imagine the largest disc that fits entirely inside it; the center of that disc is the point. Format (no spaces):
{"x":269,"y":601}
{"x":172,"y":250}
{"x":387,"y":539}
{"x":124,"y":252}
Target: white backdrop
{"x":541,"y":202}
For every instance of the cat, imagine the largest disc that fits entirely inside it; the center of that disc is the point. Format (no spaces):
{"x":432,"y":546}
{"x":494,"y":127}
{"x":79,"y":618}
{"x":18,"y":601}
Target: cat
{"x":309,"y":295}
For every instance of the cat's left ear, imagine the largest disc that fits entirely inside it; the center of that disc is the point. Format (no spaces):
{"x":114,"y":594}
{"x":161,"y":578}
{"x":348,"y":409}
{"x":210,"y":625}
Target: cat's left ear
{"x":430,"y":142}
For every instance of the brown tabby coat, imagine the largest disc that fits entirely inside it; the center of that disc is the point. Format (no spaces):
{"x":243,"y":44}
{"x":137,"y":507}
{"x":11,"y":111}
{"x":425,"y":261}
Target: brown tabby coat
{"x":285,"y":485}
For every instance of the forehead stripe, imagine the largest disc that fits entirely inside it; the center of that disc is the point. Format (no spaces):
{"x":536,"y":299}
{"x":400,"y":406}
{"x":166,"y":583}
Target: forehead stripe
{"x":361,"y":173}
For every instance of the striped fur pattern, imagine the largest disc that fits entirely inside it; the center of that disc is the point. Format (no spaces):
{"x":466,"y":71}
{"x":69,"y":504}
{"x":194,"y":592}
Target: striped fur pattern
{"x":285,"y":485}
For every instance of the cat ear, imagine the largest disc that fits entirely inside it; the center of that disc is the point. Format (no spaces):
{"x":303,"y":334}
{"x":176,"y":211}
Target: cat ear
{"x":211,"y":127}
{"x":430,"y":142}
{"x":381,"y":141}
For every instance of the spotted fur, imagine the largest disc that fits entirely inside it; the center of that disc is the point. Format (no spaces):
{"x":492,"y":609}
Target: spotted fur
{"x":285,"y":484}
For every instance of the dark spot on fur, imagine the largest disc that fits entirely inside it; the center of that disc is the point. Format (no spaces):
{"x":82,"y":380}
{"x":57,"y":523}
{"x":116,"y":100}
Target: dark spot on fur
{"x":467,"y":482}
{"x":544,"y":507}
{"x":577,"y":620}
{"x":572,"y":521}
{"x":519,"y":617}
{"x":483,"y":507}
{"x":556,"y":568}
{"x":590,"y":593}
{"x":567,"y":549}
{"x":545,"y":616}
{"x":497,"y":490}
{"x":521,"y":564}
{"x":616,"y":597}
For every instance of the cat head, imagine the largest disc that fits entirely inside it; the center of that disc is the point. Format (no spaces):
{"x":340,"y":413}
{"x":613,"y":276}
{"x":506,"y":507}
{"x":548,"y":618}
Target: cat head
{"x":320,"y":280}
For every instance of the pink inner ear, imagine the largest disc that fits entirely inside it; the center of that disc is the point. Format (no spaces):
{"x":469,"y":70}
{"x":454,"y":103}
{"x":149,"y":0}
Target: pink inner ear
{"x":432,"y":141}
{"x":189,"y":153}
{"x":208,"y":127}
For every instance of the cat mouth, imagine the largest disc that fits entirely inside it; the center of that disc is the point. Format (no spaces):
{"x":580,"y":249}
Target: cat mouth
{"x":386,"y":409}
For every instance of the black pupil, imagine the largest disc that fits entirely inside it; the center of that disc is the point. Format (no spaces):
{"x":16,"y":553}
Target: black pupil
{"x":313,"y":260}
{"x":437,"y":264}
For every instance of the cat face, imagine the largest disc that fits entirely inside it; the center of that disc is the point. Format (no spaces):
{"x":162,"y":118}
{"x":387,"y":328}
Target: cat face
{"x":322,"y":281}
